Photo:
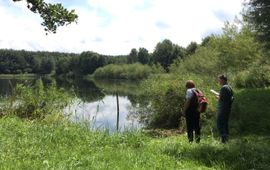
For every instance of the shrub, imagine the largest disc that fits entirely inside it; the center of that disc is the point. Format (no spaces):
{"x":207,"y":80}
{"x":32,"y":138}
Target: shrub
{"x":256,"y":77}
{"x":166,"y":100}
{"x":203,"y":62}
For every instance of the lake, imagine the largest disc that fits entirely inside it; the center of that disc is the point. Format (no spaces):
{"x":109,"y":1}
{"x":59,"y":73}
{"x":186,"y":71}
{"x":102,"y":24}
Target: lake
{"x":95,"y":102}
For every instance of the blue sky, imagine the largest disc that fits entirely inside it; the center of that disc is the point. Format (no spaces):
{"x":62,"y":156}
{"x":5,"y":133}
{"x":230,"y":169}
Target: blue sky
{"x":114,"y":27}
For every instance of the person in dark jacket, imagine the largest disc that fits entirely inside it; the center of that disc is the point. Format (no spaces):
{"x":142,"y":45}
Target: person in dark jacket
{"x":191,"y":112}
{"x":225,"y":99}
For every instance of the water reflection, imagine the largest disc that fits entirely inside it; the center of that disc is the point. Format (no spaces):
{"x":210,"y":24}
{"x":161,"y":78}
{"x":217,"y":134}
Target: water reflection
{"x":6,"y":85}
{"x":103,"y":115}
{"x":95,"y":101}
{"x":87,"y":91}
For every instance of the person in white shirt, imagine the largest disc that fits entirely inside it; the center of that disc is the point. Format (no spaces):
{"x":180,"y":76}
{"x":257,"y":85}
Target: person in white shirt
{"x":190,"y":111}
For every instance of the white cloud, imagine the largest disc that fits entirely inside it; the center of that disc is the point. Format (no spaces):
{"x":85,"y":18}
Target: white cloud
{"x":114,"y":27}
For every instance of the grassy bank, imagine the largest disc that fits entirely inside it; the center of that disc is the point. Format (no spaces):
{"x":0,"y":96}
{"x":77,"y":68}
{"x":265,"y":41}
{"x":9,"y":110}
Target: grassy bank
{"x":24,"y":76}
{"x":40,"y":145}
{"x":18,"y":76}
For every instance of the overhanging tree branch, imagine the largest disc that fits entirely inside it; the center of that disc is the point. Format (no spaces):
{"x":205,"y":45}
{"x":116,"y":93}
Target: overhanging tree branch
{"x":257,"y":14}
{"x":53,"y":15}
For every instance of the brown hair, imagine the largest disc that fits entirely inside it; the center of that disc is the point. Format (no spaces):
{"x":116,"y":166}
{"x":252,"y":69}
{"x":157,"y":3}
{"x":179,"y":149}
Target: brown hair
{"x":223,"y":77}
{"x":190,"y":84}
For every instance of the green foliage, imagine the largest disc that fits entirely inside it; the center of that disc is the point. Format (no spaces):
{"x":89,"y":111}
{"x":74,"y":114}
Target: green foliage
{"x":233,"y":51}
{"x":257,"y":76}
{"x":251,"y":112}
{"x":133,"y":56}
{"x":238,"y":49}
{"x":120,"y":59}
{"x":166,"y":98}
{"x":124,"y":71}
{"x":36,"y":102}
{"x":166,"y":52}
{"x":203,"y":62}
{"x":63,"y":66}
{"x":257,"y":14}
{"x":191,"y":48}
{"x":47,"y":65}
{"x":143,"y":56}
{"x":54,"y":15}
{"x":89,"y":62}
{"x":20,"y":61}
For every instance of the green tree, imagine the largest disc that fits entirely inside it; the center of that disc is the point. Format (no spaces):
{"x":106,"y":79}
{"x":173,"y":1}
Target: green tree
{"x":143,"y":56}
{"x":133,"y":56}
{"x":191,"y":48}
{"x":47,"y":66}
{"x":257,"y":14}
{"x":165,"y":52}
{"x":206,"y":40}
{"x":53,"y":15}
{"x":63,"y":66}
{"x":89,"y":62}
{"x":35,"y":62}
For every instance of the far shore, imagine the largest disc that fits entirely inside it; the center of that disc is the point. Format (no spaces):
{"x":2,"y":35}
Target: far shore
{"x":21,"y":76}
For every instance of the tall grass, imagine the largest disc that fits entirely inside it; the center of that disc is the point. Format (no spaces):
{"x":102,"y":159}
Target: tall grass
{"x":35,"y":102}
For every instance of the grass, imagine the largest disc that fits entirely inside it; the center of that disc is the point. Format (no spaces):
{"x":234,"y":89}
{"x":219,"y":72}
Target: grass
{"x":60,"y":145}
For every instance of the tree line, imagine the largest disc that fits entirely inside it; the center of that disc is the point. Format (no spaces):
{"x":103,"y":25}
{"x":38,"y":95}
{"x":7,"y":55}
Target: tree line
{"x":70,"y":64}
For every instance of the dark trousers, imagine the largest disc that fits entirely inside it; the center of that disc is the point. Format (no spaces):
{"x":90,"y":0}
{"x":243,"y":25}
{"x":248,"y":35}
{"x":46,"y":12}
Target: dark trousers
{"x":223,"y":125}
{"x":193,"y":124}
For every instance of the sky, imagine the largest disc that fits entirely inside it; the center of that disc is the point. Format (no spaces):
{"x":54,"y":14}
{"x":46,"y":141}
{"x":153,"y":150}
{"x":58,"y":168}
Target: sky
{"x":114,"y":27}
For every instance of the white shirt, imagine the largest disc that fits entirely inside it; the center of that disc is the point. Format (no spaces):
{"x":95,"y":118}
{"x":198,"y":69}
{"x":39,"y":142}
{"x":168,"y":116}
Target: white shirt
{"x":189,"y":93}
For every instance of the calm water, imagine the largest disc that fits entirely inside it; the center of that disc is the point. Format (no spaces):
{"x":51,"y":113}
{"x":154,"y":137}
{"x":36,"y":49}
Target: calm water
{"x":95,"y":102}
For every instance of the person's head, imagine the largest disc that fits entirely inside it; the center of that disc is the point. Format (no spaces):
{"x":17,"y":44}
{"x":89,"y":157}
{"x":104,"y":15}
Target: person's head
{"x":190,"y":84}
{"x":222,"y":79}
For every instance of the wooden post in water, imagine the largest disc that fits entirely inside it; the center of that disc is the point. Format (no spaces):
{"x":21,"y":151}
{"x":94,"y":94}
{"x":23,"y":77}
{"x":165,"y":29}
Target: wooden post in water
{"x":117,"y":101}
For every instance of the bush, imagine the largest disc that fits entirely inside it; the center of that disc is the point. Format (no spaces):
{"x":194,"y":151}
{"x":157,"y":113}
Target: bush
{"x":256,"y":77}
{"x":251,"y":112}
{"x":166,"y":102}
{"x":203,"y":62}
